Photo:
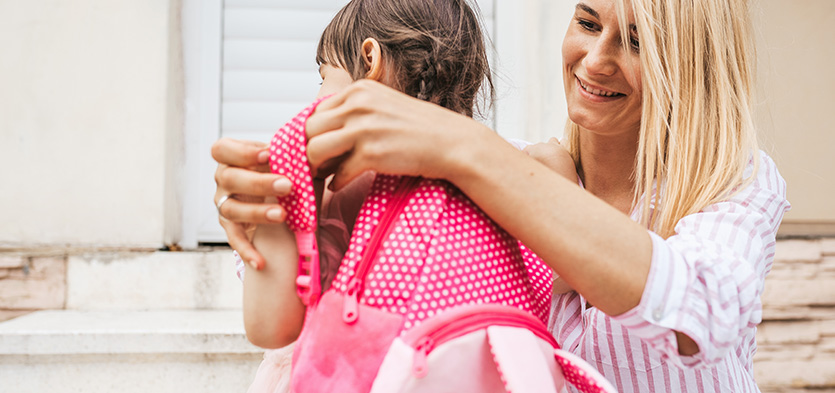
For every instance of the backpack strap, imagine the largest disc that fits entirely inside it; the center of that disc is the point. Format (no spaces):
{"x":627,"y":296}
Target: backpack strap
{"x":522,"y":361}
{"x":522,"y":364}
{"x":288,"y":157}
{"x":581,"y":374}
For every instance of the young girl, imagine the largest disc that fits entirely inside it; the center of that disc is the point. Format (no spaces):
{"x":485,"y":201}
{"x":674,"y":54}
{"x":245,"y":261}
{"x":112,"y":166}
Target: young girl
{"x":430,"y":49}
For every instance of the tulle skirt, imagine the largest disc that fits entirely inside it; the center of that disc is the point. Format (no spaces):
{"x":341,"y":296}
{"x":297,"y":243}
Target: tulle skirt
{"x":273,"y":375}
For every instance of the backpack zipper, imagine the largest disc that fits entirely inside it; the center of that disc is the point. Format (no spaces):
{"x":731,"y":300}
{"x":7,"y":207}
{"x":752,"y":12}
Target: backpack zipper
{"x":350,"y":307}
{"x":464,"y":320}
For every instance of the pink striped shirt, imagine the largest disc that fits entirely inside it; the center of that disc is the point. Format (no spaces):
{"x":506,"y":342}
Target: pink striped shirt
{"x":706,"y":282}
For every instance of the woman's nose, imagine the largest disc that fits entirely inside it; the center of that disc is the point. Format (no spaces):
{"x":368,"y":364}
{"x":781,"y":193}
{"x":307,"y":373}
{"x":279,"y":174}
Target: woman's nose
{"x":601,"y":58}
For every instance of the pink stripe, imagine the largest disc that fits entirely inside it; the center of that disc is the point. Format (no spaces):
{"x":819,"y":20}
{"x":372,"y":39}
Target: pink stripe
{"x":732,"y":239}
{"x":627,"y":347}
{"x":596,"y":339}
{"x":683,"y":379}
{"x":647,"y":364}
{"x":613,"y":352}
{"x":739,"y":374}
{"x":716,"y":386}
{"x":731,"y":372}
{"x":667,"y":381}
{"x":699,"y":382}
{"x":718,"y":219}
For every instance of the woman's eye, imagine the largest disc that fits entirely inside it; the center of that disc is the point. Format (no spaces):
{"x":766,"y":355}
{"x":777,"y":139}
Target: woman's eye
{"x":635,"y":44}
{"x":590,"y":26}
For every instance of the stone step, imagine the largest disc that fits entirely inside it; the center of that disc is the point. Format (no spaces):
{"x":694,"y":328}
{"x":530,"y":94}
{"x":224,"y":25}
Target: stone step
{"x":126,"y":351}
{"x":156,"y":280}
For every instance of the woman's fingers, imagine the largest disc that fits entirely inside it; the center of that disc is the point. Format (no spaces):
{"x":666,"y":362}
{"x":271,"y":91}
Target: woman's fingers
{"x":324,"y":120}
{"x":324,"y":150}
{"x":239,"y":241}
{"x":233,"y":180}
{"x":238,"y":153}
{"x":251,"y":212}
{"x":350,"y":168}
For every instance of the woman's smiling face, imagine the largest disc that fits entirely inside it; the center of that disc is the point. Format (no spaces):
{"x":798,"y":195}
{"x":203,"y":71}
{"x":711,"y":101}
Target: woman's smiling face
{"x":602,"y":78}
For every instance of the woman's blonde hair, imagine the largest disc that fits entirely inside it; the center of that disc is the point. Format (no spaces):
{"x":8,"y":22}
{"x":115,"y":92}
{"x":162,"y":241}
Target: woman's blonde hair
{"x":697,"y":132}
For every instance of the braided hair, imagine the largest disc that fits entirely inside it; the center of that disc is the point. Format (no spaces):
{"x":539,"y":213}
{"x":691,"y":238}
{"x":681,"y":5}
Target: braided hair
{"x":436,"y":47}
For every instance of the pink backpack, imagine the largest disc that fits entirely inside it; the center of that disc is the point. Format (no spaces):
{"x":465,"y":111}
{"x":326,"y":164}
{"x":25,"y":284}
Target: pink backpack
{"x":431,"y":296}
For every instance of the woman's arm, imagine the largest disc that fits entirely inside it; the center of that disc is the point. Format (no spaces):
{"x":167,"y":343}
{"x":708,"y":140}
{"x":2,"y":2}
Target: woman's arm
{"x":707,"y":280}
{"x":596,"y":249}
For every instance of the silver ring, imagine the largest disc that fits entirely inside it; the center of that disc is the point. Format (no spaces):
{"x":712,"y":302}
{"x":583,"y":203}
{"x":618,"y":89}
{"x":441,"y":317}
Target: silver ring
{"x":220,"y":203}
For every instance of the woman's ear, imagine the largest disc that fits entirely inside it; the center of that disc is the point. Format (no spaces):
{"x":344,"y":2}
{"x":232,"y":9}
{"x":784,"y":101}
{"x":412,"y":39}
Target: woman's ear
{"x":372,"y":55}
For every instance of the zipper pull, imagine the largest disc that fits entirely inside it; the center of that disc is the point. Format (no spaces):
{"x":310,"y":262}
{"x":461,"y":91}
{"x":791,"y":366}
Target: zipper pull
{"x":419,"y":366}
{"x":350,"y":306}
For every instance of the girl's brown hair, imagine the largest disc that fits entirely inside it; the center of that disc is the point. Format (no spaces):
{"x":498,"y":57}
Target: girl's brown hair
{"x":435,"y":47}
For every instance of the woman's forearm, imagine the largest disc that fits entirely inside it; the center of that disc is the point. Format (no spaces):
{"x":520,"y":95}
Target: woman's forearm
{"x":597,"y":250}
{"x":273,"y":312}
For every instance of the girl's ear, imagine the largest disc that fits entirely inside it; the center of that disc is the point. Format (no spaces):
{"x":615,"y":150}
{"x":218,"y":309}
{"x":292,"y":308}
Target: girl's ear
{"x":372,"y":55}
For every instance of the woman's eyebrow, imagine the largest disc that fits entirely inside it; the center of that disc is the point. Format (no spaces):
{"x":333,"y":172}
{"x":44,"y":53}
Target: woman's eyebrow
{"x":592,"y":12}
{"x":583,"y":7}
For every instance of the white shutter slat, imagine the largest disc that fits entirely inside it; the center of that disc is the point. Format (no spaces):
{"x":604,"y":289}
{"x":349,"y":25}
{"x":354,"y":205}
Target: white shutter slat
{"x":269,"y":55}
{"x":270,"y":85}
{"x":283,"y":24}
{"x":258,"y":117}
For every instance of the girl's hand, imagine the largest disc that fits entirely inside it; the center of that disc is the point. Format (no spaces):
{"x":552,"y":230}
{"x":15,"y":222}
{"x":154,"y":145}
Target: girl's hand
{"x":368,"y":126}
{"x":242,"y":175}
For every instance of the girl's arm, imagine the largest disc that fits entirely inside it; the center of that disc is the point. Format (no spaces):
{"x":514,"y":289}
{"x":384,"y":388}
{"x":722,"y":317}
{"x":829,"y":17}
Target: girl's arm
{"x":273,"y":312}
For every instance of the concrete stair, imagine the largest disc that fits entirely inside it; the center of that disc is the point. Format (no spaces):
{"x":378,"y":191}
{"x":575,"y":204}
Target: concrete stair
{"x":135,"y":322}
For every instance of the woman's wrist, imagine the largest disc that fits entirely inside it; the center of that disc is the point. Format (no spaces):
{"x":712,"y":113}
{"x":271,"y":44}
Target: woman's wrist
{"x":463,"y":153}
{"x":478,"y":149}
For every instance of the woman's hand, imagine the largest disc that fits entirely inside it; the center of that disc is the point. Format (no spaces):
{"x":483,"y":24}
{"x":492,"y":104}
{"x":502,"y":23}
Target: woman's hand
{"x":242,"y":175}
{"x":554,"y":155}
{"x":369,"y":126}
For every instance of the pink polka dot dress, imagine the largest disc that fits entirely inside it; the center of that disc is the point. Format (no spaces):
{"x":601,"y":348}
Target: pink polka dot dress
{"x":439,"y":252}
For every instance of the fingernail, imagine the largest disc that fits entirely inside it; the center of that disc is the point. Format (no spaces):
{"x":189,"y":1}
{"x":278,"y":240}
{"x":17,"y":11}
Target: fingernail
{"x":276,"y":215}
{"x":282,"y":186}
{"x":263,"y":157}
{"x":253,"y":265}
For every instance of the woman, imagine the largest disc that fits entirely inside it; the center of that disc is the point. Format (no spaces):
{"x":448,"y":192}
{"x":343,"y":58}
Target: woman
{"x":667,"y":245}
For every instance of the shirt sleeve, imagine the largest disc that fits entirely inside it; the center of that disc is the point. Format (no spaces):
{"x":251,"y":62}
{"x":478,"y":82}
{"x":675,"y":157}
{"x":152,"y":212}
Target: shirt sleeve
{"x":706,"y":280}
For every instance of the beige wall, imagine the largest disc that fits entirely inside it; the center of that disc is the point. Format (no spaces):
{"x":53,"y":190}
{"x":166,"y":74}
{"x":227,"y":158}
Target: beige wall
{"x":87,"y":116}
{"x":796,"y":104}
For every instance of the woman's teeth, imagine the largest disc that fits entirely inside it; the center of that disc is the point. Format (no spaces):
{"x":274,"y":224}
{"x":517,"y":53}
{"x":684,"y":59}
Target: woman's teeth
{"x":598,"y":92}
